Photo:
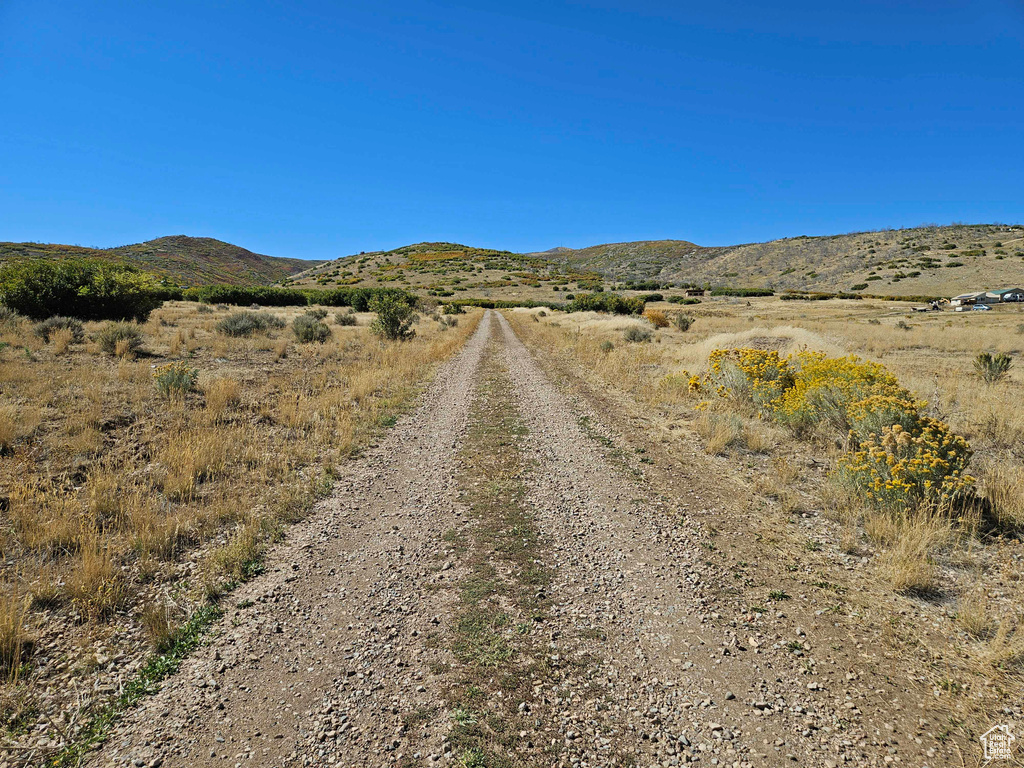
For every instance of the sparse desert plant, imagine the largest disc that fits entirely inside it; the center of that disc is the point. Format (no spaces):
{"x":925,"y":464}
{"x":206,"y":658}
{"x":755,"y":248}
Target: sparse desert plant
{"x":909,"y":561}
{"x":96,"y":585}
{"x":720,"y":431}
{"x":161,"y":620}
{"x":48,"y":327}
{"x":246,"y":323}
{"x":9,"y":428}
{"x":318,"y":313}
{"x":394,"y":317}
{"x":972,"y":616}
{"x":175,"y":380}
{"x":607,"y":346}
{"x":62,"y":340}
{"x":8,"y":317}
{"x":682,"y":322}
{"x":903,"y":325}
{"x":637,"y":334}
{"x":345,"y":318}
{"x":656,"y":317}
{"x":221,"y":394}
{"x":1004,"y":489}
{"x":15,"y":642}
{"x":309,"y":329}
{"x":204,"y":309}
{"x":993,"y":368}
{"x":120,"y":339}
{"x":451,"y":308}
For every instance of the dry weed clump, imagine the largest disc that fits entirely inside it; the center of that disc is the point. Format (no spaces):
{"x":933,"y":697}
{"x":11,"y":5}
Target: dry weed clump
{"x":657,"y":318}
{"x":95,"y":585}
{"x":1003,"y":485}
{"x":16,"y":643}
{"x":222,"y":394}
{"x":908,"y":562}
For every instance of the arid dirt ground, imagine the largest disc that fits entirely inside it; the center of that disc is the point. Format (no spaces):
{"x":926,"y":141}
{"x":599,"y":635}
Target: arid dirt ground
{"x":515,"y":575}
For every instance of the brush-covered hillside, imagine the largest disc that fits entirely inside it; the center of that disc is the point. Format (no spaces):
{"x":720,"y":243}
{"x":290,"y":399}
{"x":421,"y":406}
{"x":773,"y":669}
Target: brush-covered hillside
{"x":450,"y":269}
{"x":182,"y":260}
{"x":929,"y":260}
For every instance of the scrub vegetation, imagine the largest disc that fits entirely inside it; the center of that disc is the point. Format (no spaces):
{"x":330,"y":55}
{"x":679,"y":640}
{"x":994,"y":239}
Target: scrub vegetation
{"x":147,"y":466}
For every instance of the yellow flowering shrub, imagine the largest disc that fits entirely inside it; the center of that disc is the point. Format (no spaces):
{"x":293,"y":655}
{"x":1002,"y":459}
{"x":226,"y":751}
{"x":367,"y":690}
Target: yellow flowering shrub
{"x":899,"y":459}
{"x":899,"y":470}
{"x":873,"y":414}
{"x":824,"y":388}
{"x":756,"y":376}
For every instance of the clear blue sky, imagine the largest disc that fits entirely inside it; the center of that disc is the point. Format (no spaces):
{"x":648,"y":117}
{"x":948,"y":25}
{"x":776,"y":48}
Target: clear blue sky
{"x":319,"y":129}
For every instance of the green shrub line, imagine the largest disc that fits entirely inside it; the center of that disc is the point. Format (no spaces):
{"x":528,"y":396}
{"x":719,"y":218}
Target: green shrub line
{"x":612,"y":303}
{"x":503,"y":304}
{"x":796,"y":295}
{"x":241,"y":296}
{"x":87,"y":289}
{"x":722,"y":290}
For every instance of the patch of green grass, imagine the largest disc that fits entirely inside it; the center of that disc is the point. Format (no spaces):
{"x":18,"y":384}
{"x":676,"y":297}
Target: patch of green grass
{"x":159,"y":667}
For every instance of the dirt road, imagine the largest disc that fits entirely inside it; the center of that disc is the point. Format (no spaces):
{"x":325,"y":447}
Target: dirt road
{"x":496,"y":584}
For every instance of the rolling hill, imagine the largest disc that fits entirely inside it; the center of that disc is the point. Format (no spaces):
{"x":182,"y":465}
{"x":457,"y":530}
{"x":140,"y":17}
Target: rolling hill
{"x":181,"y":259}
{"x":928,"y":260}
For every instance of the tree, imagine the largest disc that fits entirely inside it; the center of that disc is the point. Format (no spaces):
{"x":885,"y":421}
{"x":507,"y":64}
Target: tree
{"x":394,"y":317}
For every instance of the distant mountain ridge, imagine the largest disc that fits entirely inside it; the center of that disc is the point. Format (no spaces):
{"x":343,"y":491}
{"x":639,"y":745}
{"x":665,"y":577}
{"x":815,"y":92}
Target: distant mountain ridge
{"x":928,"y":260}
{"x":919,"y":260}
{"x":181,"y":259}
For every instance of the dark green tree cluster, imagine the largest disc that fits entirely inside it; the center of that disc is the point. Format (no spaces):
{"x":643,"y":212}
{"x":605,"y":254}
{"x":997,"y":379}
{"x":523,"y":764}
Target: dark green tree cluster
{"x":88,"y":289}
{"x":607,"y":302}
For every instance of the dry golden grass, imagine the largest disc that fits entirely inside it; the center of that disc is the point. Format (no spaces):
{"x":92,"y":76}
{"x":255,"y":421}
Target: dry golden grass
{"x":9,"y":431}
{"x":1003,"y":485}
{"x":15,"y":641}
{"x":95,"y":584}
{"x":972,"y":615}
{"x":222,"y":394}
{"x":908,"y":561}
{"x":61,"y":340}
{"x":112,"y":495}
